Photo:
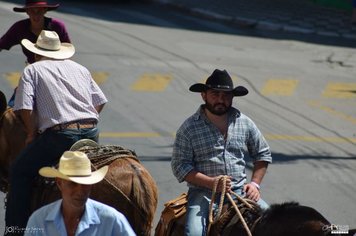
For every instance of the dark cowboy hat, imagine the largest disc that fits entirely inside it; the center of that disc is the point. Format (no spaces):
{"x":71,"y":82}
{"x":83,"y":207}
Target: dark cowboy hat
{"x":219,"y":80}
{"x":36,"y":3}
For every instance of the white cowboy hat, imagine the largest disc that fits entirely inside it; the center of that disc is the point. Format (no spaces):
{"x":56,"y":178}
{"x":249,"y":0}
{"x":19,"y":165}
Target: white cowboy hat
{"x":49,"y":45}
{"x":75,"y":166}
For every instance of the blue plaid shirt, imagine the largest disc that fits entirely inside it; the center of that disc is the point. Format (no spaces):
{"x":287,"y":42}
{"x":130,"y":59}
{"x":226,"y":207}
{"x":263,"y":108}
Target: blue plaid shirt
{"x":200,"y":146}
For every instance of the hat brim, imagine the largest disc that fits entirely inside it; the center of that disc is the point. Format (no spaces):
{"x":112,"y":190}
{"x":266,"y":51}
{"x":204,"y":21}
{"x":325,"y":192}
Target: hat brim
{"x":66,"y":50}
{"x":94,"y":178}
{"x":238,"y":91}
{"x":23,"y":9}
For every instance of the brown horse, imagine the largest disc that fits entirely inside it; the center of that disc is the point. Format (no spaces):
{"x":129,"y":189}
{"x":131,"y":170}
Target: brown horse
{"x":128,"y":186}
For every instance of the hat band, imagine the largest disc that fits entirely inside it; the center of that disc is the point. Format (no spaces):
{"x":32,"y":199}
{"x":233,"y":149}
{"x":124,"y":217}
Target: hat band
{"x":219,"y":86}
{"x":35,"y":4}
{"x":46,"y":49}
{"x":78,"y":175}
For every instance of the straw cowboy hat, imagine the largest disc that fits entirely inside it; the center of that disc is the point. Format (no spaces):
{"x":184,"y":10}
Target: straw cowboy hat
{"x":49,"y":45}
{"x":219,"y":80}
{"x":36,"y":3}
{"x":75,"y":166}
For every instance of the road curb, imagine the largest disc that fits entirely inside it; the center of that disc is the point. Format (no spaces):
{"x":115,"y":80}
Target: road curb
{"x":245,"y":22}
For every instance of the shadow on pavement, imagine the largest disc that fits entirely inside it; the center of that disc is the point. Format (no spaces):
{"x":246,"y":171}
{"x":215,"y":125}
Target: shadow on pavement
{"x":111,"y":10}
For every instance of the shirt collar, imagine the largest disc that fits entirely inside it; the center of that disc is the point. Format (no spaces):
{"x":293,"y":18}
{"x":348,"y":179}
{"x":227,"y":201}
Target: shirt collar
{"x":90,"y":216}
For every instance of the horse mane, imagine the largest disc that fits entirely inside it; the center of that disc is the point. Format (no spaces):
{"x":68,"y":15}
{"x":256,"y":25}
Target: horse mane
{"x":277,"y":210}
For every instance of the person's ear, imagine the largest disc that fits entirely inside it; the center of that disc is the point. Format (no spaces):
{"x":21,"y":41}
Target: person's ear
{"x":59,"y":183}
{"x":203,"y":96}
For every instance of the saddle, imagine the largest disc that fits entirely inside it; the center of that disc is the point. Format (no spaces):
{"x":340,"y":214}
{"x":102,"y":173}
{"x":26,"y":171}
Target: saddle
{"x":172,"y":219}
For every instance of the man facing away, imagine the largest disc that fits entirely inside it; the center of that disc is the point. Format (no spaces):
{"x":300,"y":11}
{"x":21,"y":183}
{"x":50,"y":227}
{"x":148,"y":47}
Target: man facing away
{"x":59,"y":103}
{"x":211,"y":143}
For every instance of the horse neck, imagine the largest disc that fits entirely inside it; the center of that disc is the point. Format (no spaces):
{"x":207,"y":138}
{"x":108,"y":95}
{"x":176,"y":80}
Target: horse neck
{"x":12,"y":137}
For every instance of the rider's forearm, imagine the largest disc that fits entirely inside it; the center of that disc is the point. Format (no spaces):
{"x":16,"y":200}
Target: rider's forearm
{"x":199,"y":179}
{"x":259,"y":171}
{"x":99,"y":108}
{"x":26,"y":116}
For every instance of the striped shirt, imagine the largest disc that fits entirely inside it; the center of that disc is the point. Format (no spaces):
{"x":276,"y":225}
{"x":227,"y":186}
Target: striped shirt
{"x":58,"y":91}
{"x":200,"y":146}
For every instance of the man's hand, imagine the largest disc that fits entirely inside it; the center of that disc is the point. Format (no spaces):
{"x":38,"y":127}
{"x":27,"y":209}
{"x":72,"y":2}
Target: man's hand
{"x":220,"y":186}
{"x":252,"y":192}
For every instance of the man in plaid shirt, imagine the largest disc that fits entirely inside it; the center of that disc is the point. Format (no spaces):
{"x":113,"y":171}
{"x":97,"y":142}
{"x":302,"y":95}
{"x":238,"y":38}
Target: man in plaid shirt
{"x":211,"y":143}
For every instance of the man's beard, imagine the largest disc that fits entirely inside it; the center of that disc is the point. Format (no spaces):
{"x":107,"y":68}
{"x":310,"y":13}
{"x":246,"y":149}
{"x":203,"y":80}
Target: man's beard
{"x":222,"y":110}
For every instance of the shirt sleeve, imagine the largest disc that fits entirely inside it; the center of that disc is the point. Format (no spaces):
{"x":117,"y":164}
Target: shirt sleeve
{"x":98,"y":96}
{"x":257,"y":145}
{"x":182,"y":157}
{"x":34,"y":228}
{"x":9,"y":39}
{"x":25,"y":93}
{"x":122,"y":226}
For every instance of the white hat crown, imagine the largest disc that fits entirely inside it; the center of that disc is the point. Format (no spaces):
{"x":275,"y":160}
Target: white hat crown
{"x":74,"y":164}
{"x":48,"y":40}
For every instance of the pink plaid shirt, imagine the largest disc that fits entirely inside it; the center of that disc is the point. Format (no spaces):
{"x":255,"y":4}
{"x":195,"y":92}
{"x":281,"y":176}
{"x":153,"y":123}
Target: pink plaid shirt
{"x":58,"y":91}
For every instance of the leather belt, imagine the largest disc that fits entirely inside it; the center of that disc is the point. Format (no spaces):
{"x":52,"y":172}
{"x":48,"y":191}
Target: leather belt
{"x":79,"y":124}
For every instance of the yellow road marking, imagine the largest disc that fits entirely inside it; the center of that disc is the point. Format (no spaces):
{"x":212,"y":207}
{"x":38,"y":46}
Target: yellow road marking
{"x":280,"y":87}
{"x":333,"y":111}
{"x":13,"y":78}
{"x":340,"y":90}
{"x":152,"y":82}
{"x":99,"y":77}
{"x":268,"y":136}
{"x":129,"y":135}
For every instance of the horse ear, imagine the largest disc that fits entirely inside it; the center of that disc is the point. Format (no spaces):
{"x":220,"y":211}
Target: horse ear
{"x":3,"y":104}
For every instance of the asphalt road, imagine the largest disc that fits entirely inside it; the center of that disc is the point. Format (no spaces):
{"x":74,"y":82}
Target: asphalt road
{"x":302,"y":94}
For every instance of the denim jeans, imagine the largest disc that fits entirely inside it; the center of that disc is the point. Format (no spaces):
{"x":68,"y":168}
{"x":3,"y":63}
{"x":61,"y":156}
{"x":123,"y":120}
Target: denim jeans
{"x":11,"y":102}
{"x":198,"y":210}
{"x":45,"y":150}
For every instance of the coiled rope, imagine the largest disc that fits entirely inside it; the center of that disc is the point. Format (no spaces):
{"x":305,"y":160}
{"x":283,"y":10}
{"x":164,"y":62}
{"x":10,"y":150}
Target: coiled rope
{"x":212,"y":219}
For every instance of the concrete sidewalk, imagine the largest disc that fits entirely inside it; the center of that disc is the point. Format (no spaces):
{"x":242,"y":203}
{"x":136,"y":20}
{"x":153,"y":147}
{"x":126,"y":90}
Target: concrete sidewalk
{"x":302,"y":16}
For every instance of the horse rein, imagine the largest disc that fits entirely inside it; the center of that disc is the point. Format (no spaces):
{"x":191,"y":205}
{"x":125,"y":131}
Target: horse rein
{"x":223,"y":193}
